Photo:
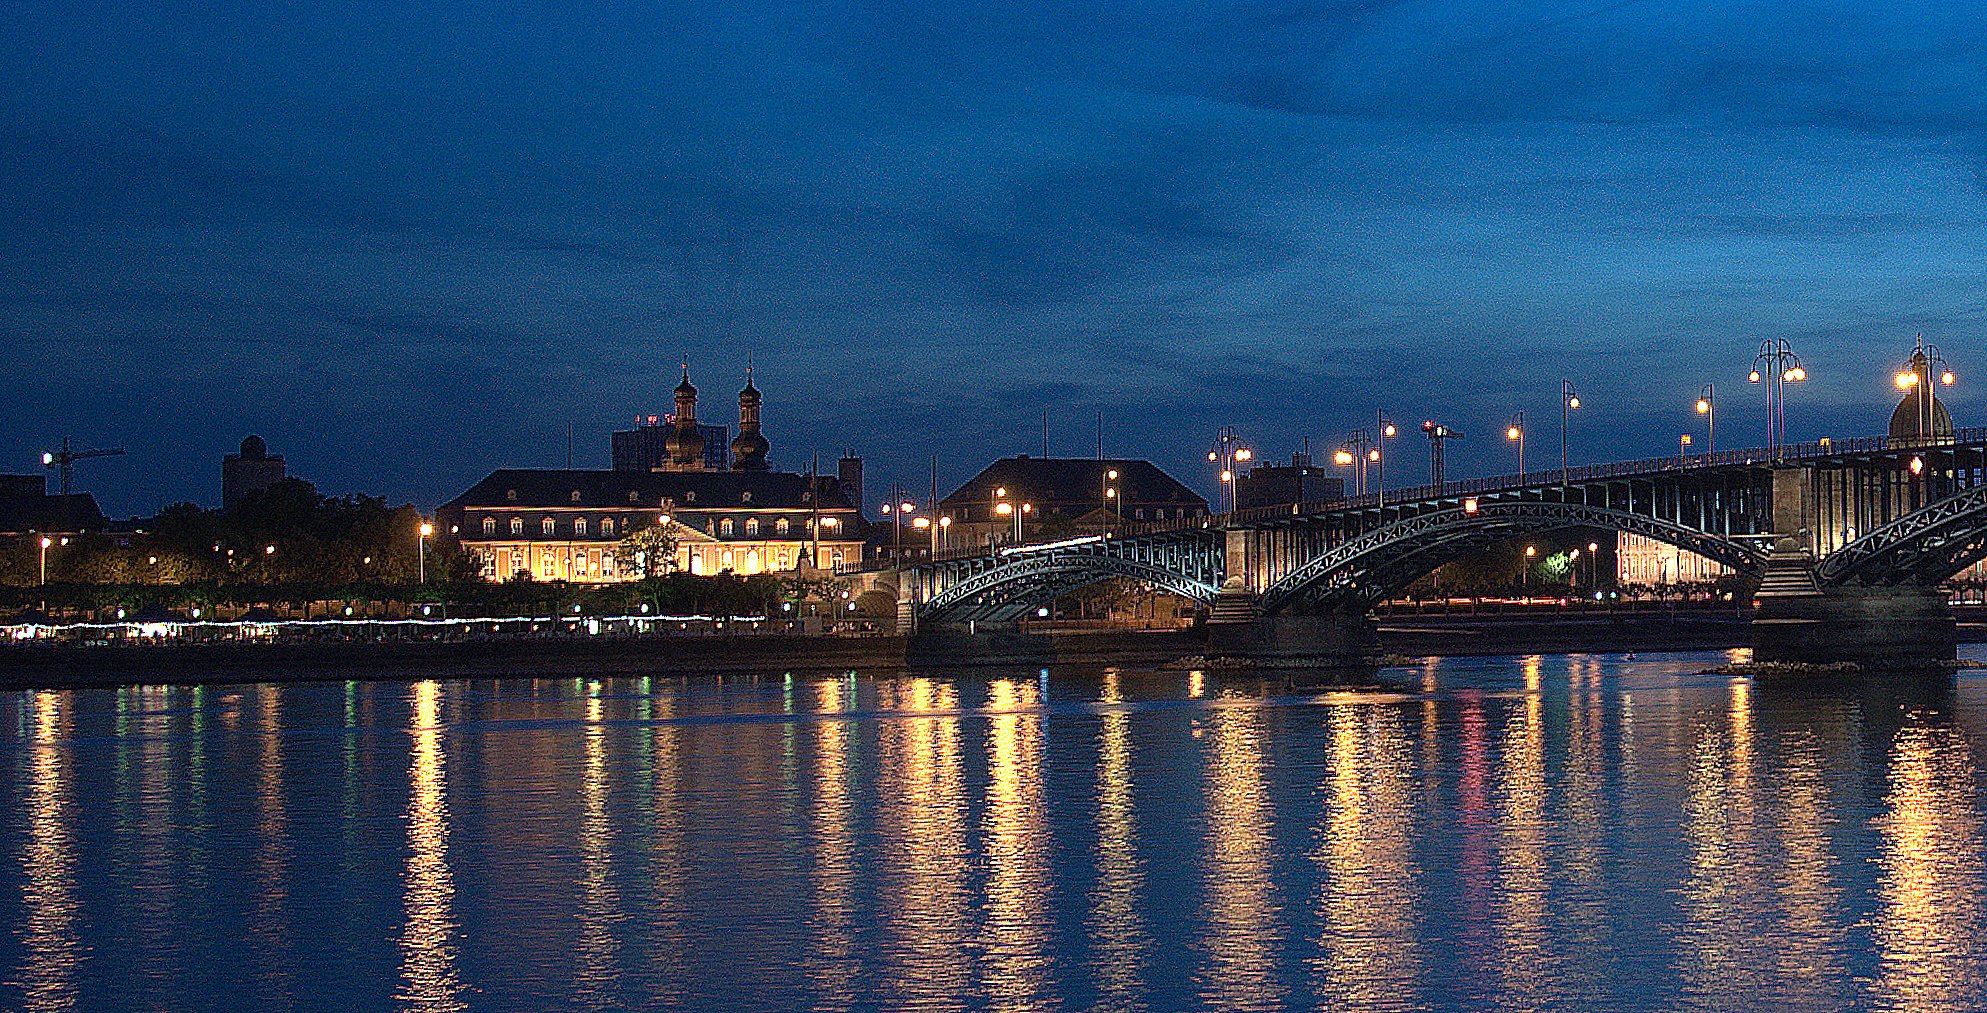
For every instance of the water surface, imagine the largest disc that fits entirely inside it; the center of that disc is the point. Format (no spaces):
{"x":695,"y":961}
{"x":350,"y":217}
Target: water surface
{"x":1564,"y":832}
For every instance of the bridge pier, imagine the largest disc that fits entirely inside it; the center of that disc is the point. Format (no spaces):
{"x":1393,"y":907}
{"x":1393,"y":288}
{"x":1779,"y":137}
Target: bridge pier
{"x":1328,"y":640}
{"x":1883,"y":629}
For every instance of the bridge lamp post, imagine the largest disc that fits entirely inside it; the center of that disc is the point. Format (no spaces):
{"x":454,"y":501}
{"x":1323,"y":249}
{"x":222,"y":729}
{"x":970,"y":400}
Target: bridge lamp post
{"x":924,"y":524}
{"x":1351,"y":457}
{"x":1707,"y":406}
{"x":945,"y":531}
{"x":1773,"y":368}
{"x":1110,"y":497}
{"x":1001,"y":509}
{"x":1593,"y":564}
{"x":1525,"y":572}
{"x":1226,"y":452}
{"x":45,"y":543}
{"x":1683,"y":449}
{"x":1385,"y":431}
{"x":1573,"y":569}
{"x":1515,"y":433}
{"x":1569,"y":400}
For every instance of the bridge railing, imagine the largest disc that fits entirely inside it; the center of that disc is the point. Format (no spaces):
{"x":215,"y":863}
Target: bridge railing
{"x":1645,"y":467}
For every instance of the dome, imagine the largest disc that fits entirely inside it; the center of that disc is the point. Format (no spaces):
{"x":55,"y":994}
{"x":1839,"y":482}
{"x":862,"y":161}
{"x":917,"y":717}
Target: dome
{"x":750,"y":393}
{"x":253,"y":447}
{"x":686,"y":388}
{"x":1904,"y":422}
{"x":748,"y":451}
{"x":684,"y":444}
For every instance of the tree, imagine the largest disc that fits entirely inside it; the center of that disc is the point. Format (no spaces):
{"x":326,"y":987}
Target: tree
{"x":650,"y":552}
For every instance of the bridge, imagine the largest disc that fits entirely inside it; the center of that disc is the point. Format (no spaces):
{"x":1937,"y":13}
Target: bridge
{"x":1845,"y":544}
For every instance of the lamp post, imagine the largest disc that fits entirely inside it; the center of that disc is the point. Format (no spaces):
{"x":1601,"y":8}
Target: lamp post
{"x":1515,"y":433}
{"x":1573,"y":569}
{"x":1383,"y":431}
{"x":1773,"y":368}
{"x":1110,"y":497}
{"x":945,"y":531}
{"x":997,"y":507}
{"x":1707,"y":406}
{"x":45,"y":543}
{"x":1917,"y":380}
{"x":1525,"y":573}
{"x":1593,"y":564}
{"x":1352,"y":454}
{"x":426,"y":530}
{"x":925,"y":524}
{"x":1683,"y":449}
{"x":1569,"y":399}
{"x":1227,"y":452}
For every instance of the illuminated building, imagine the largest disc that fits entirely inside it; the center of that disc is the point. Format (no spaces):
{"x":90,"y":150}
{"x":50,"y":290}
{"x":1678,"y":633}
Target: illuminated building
{"x":1640,"y":559}
{"x":566,"y":524}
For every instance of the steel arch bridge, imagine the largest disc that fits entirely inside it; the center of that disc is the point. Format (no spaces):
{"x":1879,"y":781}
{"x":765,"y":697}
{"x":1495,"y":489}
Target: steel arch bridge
{"x":1873,"y":512}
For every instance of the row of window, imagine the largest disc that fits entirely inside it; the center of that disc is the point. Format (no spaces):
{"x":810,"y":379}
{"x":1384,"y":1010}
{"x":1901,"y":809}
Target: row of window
{"x":723,"y":527}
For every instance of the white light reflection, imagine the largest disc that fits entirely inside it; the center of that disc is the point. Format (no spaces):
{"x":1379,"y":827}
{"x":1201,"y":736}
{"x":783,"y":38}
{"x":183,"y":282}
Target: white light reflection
{"x":428,"y":981}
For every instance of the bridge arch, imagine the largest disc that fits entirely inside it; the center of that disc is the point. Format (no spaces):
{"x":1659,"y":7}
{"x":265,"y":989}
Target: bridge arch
{"x":1922,"y":548}
{"x":1363,"y":571}
{"x":1031,"y":581}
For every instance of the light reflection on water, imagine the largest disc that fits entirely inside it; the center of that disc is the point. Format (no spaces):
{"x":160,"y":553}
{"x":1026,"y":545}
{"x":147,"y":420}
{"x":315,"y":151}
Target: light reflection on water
{"x":1527,"y":833}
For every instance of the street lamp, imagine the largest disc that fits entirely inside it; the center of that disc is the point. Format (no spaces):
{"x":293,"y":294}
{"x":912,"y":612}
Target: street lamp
{"x":1915,"y":379}
{"x":1525,"y":574}
{"x":945,"y":529}
{"x":427,"y":529}
{"x":1110,"y":497}
{"x":1226,"y":452}
{"x":1683,"y":448}
{"x":1573,"y":568}
{"x":1515,"y":433}
{"x":1569,"y":400}
{"x":1707,"y":406}
{"x":1773,"y":368}
{"x":45,"y":543}
{"x":1593,"y":564}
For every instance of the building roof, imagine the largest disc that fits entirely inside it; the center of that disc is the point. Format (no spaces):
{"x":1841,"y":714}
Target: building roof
{"x":1073,"y":480}
{"x":606,"y":489}
{"x":74,"y":512}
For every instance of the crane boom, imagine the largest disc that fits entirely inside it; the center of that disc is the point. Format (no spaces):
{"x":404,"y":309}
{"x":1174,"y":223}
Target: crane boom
{"x":63,"y":461}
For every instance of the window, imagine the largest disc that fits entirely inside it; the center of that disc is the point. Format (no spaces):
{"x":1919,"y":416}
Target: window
{"x":1141,"y":513}
{"x":728,"y":559}
{"x":724,"y":528}
{"x":576,"y":495}
{"x":545,"y":525}
{"x":752,"y":527}
{"x":745,"y":497}
{"x":579,"y":527}
{"x":690,"y":496}
{"x":510,"y":494}
{"x":546,"y":566}
{"x":634,"y":497}
{"x":781,"y":526}
{"x":517,"y":525}
{"x":607,"y":527}
{"x":489,"y":526}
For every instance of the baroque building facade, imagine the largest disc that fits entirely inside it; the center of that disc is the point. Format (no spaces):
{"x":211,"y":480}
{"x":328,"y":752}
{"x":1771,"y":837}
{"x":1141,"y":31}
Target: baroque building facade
{"x":565,"y":524}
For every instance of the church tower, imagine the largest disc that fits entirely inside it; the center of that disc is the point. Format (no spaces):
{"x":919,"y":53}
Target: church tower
{"x":748,"y":448}
{"x":685,"y":445}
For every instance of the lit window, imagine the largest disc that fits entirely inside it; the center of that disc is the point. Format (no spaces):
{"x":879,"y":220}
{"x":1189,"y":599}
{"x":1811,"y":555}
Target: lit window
{"x":727,"y":559}
{"x":724,"y":530}
{"x":489,"y":526}
{"x":607,"y":526}
{"x":579,"y":527}
{"x":546,"y":566}
{"x":781,"y":526}
{"x":517,"y":525}
{"x":545,"y":525}
{"x":752,"y":527}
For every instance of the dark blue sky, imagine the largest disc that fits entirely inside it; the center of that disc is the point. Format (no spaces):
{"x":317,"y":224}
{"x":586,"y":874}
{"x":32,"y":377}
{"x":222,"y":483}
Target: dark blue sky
{"x":409,"y":242}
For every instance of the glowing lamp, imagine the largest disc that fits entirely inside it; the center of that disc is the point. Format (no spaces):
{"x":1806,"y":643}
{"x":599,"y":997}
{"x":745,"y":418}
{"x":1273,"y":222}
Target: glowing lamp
{"x":1227,"y":476}
{"x":1374,"y":454}
{"x":1469,"y":505}
{"x":1905,"y":379}
{"x":1573,"y":402}
{"x":1005,"y":509}
{"x":1703,"y":406}
{"x":1342,"y":457}
{"x":1244,"y":454}
{"x":1947,"y":378}
{"x":1917,"y":465}
{"x":1752,"y":377}
{"x":1514,"y":433}
{"x":427,"y":529}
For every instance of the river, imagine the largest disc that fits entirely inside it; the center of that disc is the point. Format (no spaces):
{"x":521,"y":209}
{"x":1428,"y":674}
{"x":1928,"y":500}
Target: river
{"x":1571,"y":832}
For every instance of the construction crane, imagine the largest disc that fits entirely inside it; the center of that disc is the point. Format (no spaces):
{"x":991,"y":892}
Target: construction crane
{"x":1437,"y":434}
{"x":64,"y":461}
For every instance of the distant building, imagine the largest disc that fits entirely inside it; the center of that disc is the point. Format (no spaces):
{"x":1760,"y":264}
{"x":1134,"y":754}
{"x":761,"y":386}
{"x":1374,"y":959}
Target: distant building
{"x":641,"y":448}
{"x":1300,"y":481}
{"x":27,"y":508}
{"x":1640,"y":559}
{"x":250,"y":471}
{"x":1049,"y":496}
{"x":746,"y":518}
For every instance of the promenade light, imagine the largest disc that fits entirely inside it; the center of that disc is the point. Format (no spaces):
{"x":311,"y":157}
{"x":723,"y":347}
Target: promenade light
{"x":1343,"y":457}
{"x":662,"y":518}
{"x":907,"y":506}
{"x":269,"y":550}
{"x":1531,"y":550}
{"x":945,"y":522}
{"x":1003,"y":509}
{"x":1906,"y":379}
{"x":1703,"y":406}
{"x":1469,"y":505}
{"x":1917,"y":465}
{"x":1111,"y":493}
{"x":1573,"y":402}
{"x":1113,"y":473}
{"x":1947,"y":378}
{"x":1752,"y":377}
{"x":1212,"y":456}
{"x":1227,"y":476}
{"x":1514,"y":434}
{"x":1246,"y":454}
{"x":1387,"y":430}
{"x":921,"y":523}
{"x":427,"y":530}
{"x":1374,"y":454}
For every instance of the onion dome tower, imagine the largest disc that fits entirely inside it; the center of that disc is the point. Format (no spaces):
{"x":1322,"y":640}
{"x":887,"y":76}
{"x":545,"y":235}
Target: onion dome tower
{"x":748,"y":448}
{"x":685,"y":445}
{"x":1921,"y":417}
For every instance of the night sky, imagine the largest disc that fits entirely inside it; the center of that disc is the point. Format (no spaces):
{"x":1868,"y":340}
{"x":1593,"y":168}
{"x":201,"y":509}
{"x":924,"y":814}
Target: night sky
{"x":409,"y":243}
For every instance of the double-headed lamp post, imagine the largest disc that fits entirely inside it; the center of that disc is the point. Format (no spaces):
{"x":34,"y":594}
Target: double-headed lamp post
{"x":1228,"y":452}
{"x":1110,"y":498}
{"x":1773,"y":368}
{"x":427,"y":529}
{"x":1569,"y":401}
